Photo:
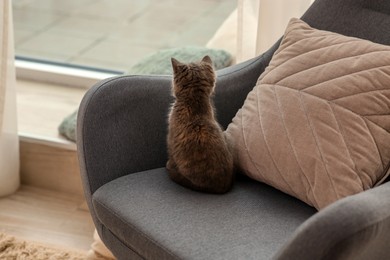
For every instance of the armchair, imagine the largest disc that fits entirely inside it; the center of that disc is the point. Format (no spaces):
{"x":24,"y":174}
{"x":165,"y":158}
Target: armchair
{"x":140,"y":214}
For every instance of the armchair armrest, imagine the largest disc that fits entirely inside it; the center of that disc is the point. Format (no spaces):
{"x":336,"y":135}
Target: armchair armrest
{"x":121,"y":128}
{"x":356,"y":227}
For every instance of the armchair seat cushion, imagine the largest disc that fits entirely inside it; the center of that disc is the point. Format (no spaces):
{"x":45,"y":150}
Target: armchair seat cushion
{"x":159,"y":219}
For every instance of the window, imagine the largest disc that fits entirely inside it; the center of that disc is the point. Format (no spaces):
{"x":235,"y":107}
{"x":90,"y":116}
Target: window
{"x":109,"y":36}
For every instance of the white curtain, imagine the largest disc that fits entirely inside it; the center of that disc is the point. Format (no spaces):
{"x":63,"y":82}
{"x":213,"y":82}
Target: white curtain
{"x":9,"y":142}
{"x":255,"y":25}
{"x":266,"y":20}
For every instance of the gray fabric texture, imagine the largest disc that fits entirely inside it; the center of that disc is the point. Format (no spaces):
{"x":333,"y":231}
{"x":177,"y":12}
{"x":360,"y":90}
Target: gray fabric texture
{"x":121,"y":250}
{"x":162,"y":220}
{"x":366,"y":19}
{"x":354,"y":228}
{"x":122,"y":122}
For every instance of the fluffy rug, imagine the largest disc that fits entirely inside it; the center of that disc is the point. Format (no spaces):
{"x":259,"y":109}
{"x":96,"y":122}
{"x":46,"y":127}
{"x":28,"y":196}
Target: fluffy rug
{"x":12,"y":248}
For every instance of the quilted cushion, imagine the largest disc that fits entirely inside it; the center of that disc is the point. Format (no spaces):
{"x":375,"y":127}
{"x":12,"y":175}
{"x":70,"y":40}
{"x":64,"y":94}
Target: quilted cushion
{"x":316,"y":125}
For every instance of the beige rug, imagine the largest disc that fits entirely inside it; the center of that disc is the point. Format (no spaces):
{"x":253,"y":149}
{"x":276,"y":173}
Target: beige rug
{"x":12,"y":248}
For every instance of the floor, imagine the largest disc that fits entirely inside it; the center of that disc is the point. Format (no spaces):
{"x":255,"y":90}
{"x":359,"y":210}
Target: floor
{"x":112,"y":34}
{"x":48,"y":217}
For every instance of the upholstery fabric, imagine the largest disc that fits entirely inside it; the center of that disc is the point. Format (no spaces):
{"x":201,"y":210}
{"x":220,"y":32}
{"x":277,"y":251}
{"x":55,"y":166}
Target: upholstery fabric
{"x":161,"y":220}
{"x":316,"y":125}
{"x":333,"y":233}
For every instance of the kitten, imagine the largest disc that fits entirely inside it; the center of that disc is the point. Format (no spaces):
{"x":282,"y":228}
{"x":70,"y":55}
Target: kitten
{"x":199,"y":157}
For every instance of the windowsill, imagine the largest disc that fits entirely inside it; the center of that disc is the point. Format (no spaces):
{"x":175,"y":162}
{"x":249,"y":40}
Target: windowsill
{"x":60,"y":74}
{"x":41,"y":109}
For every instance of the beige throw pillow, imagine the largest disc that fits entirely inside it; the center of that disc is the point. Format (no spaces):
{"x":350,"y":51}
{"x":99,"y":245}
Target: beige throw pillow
{"x":316,"y":125}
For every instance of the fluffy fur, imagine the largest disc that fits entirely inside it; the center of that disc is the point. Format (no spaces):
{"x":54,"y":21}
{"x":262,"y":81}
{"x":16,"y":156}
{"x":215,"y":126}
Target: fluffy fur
{"x":199,"y":157}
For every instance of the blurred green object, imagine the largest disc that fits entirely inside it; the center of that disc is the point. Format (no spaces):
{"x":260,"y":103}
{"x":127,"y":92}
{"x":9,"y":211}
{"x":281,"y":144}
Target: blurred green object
{"x":160,"y":62}
{"x":67,"y":127}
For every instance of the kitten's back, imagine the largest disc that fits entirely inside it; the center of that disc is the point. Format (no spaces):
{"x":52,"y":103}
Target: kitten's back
{"x":198,"y":154}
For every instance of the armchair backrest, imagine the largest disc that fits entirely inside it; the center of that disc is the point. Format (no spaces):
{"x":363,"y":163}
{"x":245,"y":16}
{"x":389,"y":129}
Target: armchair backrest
{"x":366,"y":19}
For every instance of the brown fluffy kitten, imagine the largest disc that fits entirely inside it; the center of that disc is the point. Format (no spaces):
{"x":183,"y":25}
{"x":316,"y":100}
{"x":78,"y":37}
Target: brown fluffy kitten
{"x":199,"y":158}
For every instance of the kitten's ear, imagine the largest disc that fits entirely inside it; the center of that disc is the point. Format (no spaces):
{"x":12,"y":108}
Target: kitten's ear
{"x":175,"y":64}
{"x":207,"y":59}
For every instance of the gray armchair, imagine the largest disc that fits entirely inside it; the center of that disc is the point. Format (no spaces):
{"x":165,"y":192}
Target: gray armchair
{"x":140,"y":214}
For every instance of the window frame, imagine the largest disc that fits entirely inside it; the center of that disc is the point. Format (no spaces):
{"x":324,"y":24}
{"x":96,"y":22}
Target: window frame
{"x":60,"y":73}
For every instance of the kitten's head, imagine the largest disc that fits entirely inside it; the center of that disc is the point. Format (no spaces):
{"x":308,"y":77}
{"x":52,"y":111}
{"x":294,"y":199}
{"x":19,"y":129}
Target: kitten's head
{"x":193,"y":78}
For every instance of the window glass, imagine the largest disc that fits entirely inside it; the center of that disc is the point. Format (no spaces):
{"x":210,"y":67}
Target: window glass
{"x":112,"y":34}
